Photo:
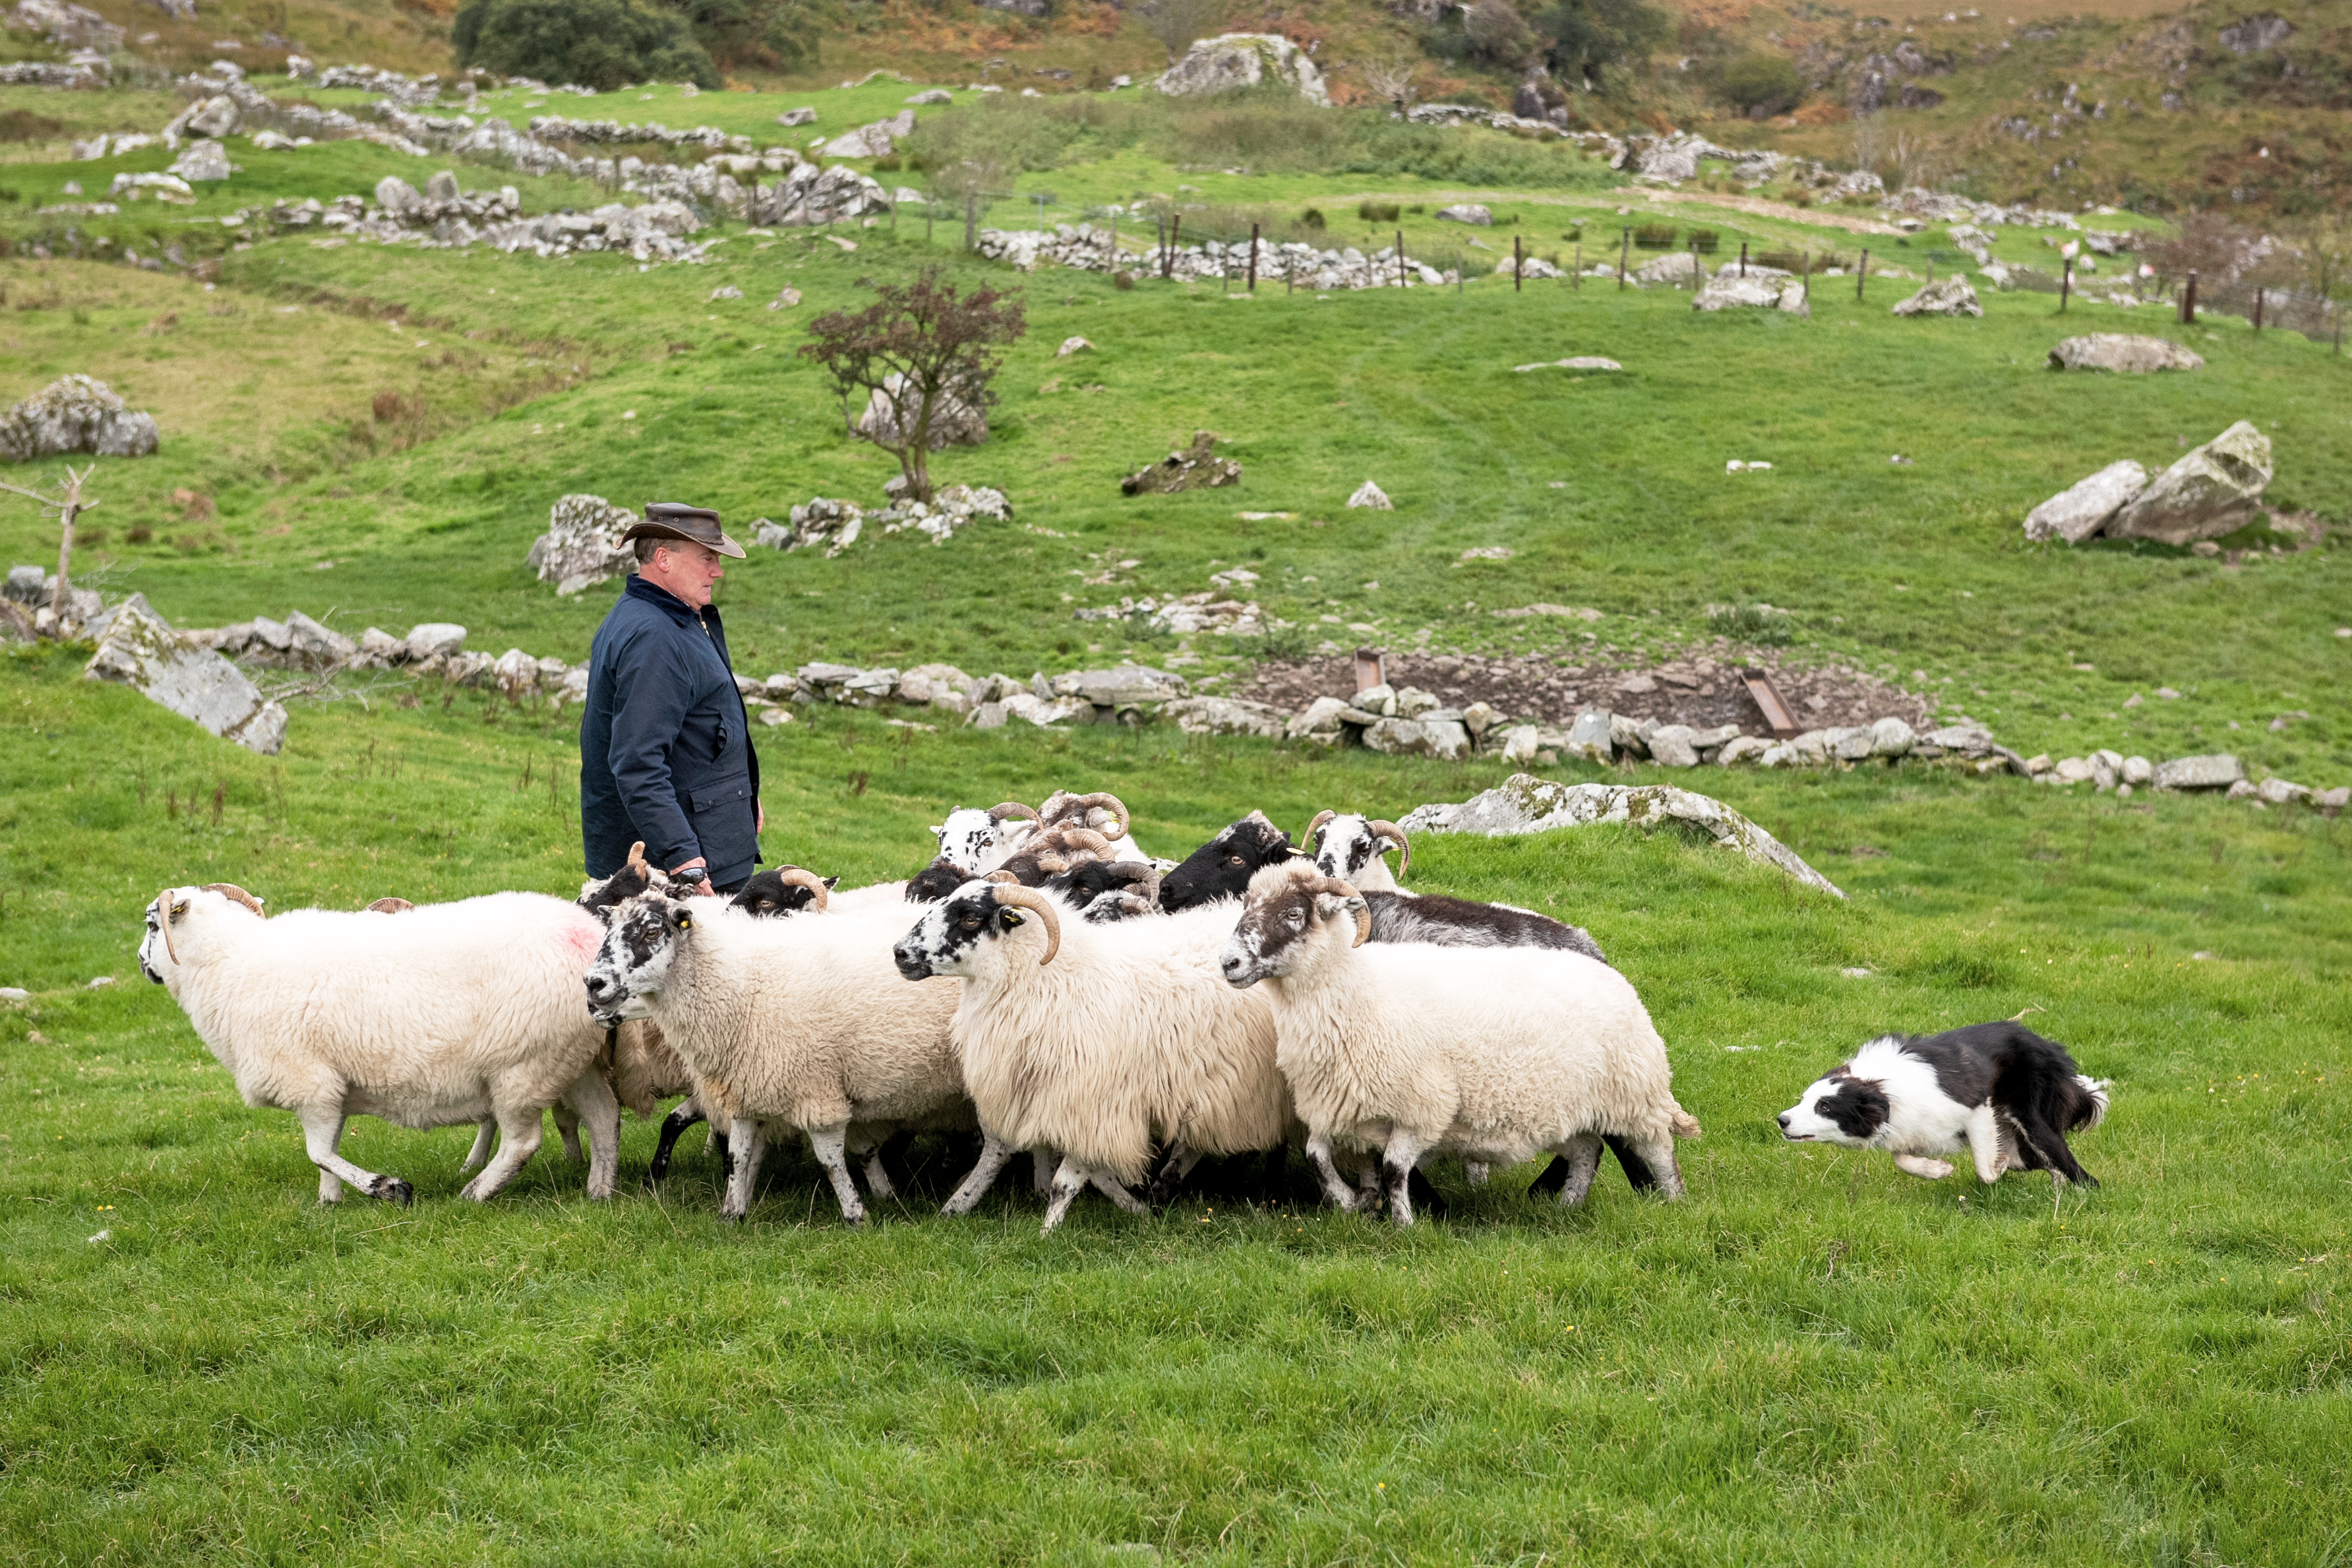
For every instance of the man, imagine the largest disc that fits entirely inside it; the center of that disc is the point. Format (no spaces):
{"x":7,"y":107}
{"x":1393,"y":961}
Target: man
{"x":665,"y":744}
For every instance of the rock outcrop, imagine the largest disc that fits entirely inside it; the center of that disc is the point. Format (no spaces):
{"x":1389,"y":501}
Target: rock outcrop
{"x":139,"y":649}
{"x":75,"y":414}
{"x":1729,"y":291}
{"x":1945,"y":297}
{"x":956,"y":421}
{"x":1197,"y":468}
{"x":1233,"y":60}
{"x":582,"y":546}
{"x":2080,"y":510}
{"x":2122,"y":351}
{"x":2213,"y":489}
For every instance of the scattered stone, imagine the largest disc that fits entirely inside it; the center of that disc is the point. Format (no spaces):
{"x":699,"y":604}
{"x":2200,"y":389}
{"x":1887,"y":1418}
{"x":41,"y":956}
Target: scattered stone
{"x":1526,"y":804}
{"x":2213,"y":489}
{"x":75,"y":414}
{"x":1727,"y":292}
{"x":204,"y":160}
{"x":786,"y":298}
{"x":797,"y":116}
{"x":1073,"y":346}
{"x":1950,"y":296}
{"x":1678,"y":268}
{"x":2216,"y":771}
{"x":1228,"y":716}
{"x":1368,"y":494}
{"x":726,"y":291}
{"x":1670,"y":746}
{"x":1579,"y":362}
{"x":139,"y":649}
{"x":582,"y":546}
{"x":2080,"y":510}
{"x":1197,"y":468}
{"x":875,"y":140}
{"x":950,"y":509}
{"x":1426,"y":737}
{"x":1233,"y":60}
{"x":2279,"y":791}
{"x":2122,"y":351}
{"x":934,"y":95}
{"x":1465,"y":212}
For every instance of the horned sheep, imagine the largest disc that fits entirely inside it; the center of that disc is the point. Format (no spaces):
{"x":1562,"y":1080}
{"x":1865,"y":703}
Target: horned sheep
{"x":1098,"y":1040}
{"x":1492,"y":1055}
{"x":427,"y":1017}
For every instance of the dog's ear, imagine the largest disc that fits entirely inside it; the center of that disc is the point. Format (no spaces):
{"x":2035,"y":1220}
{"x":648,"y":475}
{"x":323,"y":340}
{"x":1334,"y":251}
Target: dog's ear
{"x":1859,"y":1107}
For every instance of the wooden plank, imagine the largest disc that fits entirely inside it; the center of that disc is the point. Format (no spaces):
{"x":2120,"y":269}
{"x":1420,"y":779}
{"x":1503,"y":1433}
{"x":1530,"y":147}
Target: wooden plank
{"x":1371,"y":668}
{"x":1770,"y":702}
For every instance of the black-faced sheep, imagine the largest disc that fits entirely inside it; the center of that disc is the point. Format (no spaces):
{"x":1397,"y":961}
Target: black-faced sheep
{"x":1221,"y":867}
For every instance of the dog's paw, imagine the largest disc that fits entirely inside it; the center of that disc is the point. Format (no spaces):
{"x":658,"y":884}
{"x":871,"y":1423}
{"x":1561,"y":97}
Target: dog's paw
{"x":1921,"y":1166}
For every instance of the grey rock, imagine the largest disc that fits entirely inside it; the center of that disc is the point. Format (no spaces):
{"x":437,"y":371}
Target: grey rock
{"x":1360,"y":717}
{"x":1891,"y":737}
{"x":442,"y":187}
{"x":1671,"y":747}
{"x":382,"y":647}
{"x":934,"y":95}
{"x":1521,"y":742}
{"x":203,"y":160}
{"x":1628,"y":734}
{"x":1849,"y":742}
{"x":1227,"y":716}
{"x":1950,"y":296}
{"x":2241,"y":790}
{"x":1526,"y":804}
{"x":1369,"y":495}
{"x":1968,"y":739}
{"x":2122,"y":351}
{"x":2332,"y":800}
{"x":1321,"y":716}
{"x":1465,"y":212}
{"x":2215,"y":771}
{"x":140,"y":650}
{"x":1412,"y":703}
{"x":2279,"y":791}
{"x":1379,"y":701}
{"x":1233,"y":60}
{"x":1197,"y":468}
{"x":75,"y":414}
{"x":25,"y":584}
{"x":1419,"y":738}
{"x":582,"y":546}
{"x":1479,"y":718}
{"x":276,"y":637}
{"x":397,"y":197}
{"x":515,"y":673}
{"x":434,"y":637}
{"x":312,"y":644}
{"x":1741,"y":749}
{"x":2072,"y":770}
{"x":1123,"y":686}
{"x":797,"y":116}
{"x":2213,"y":489}
{"x":956,"y":420}
{"x":1728,"y":290}
{"x":2136,"y":770}
{"x":1678,"y":268}
{"x":2080,"y":510}
{"x":2256,"y":34}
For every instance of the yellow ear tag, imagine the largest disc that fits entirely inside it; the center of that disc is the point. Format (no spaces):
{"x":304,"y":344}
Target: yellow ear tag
{"x":179,"y":909}
{"x":684,"y":922}
{"x":1012,"y":917}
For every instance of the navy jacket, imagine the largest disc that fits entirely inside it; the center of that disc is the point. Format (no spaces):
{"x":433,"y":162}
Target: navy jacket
{"x":665,"y":744}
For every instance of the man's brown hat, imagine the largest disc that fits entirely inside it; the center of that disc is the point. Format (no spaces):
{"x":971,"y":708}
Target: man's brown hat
{"x":697,"y":525}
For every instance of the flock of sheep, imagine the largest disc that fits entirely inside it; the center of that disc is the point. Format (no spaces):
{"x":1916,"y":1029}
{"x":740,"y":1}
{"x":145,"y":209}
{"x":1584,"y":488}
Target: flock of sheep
{"x":1043,"y":982}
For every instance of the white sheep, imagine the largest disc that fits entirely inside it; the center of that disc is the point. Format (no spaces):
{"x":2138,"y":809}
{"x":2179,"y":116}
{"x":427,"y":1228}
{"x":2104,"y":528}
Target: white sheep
{"x":1102,"y":811}
{"x":1099,"y":1039}
{"x":1353,"y":850}
{"x":976,"y":842}
{"x":797,"y":1024}
{"x":428,"y":1018}
{"x":1492,"y":1055}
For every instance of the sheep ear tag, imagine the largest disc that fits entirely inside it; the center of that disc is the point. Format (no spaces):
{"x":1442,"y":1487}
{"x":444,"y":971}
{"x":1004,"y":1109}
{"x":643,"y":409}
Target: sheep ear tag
{"x":686,"y":922}
{"x":1014,"y":917}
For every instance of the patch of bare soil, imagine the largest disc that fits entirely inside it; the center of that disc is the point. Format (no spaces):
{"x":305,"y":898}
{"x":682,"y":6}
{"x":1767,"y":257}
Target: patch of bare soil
{"x":1697,"y":689}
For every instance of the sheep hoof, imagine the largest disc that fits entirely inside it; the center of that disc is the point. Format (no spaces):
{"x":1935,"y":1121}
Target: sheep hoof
{"x":854,"y":1221}
{"x":726,"y":1218}
{"x":392,"y":1189}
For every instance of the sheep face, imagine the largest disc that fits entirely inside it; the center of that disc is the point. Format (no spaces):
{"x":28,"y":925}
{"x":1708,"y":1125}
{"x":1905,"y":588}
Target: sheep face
{"x":1221,"y":867}
{"x":770,"y":894}
{"x":953,"y":939}
{"x":153,"y":957}
{"x":1349,"y":850}
{"x":936,"y":881}
{"x":976,"y":842}
{"x":168,"y":923}
{"x":1290,"y":907}
{"x":634,"y":961}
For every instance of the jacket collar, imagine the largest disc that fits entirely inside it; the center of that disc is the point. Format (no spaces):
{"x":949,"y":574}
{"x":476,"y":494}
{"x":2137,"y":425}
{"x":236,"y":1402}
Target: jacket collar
{"x":678,"y":609}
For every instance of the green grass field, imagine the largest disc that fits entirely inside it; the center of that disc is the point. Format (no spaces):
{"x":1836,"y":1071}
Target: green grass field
{"x":1814,"y":1359}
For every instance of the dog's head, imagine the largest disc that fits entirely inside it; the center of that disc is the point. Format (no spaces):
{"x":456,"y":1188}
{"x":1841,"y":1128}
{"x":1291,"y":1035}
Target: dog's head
{"x":1838,"y":1108}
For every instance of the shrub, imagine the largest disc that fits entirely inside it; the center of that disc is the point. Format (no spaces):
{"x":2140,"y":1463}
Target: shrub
{"x":1497,"y":34}
{"x":1760,"y":625}
{"x":1123,"y":280}
{"x":1760,"y":86}
{"x":601,"y":44}
{"x":1654,"y":237}
{"x":1379,"y":212}
{"x":1704,"y":241}
{"x":1796,"y":260}
{"x":24,"y":125}
{"x":1312,"y":218}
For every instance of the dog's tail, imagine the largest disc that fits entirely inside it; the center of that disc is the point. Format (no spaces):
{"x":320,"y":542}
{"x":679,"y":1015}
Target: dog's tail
{"x":1685,"y":1125}
{"x":2091,"y":1106}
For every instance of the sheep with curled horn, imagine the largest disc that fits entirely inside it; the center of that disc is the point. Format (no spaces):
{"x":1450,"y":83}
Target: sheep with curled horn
{"x":1056,"y":851}
{"x":1354,"y":849}
{"x":1109,"y":890}
{"x":433,"y":1017}
{"x":1102,"y":811}
{"x":978,"y":841}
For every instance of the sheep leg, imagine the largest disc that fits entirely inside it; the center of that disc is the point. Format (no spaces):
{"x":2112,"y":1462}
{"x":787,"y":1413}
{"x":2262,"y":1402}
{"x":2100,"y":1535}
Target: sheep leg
{"x":593,"y":1101}
{"x":323,"y":1132}
{"x":868,"y":1151}
{"x":746,"y":1145}
{"x":519,"y":1132}
{"x":1649,"y":1162}
{"x":1474,"y":1172}
{"x":1116,"y":1191}
{"x":1178,"y":1165}
{"x":1334,"y":1187}
{"x":683,"y":1115}
{"x":1068,"y":1182}
{"x":1396,"y":1170}
{"x":567,"y":1126}
{"x":1043,"y":1163}
{"x":483,"y":1136}
{"x":1574,"y":1164}
{"x":993,"y":1153}
{"x":826,"y":1143}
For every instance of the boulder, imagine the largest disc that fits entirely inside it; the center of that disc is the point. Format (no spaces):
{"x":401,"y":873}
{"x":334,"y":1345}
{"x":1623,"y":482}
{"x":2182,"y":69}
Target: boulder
{"x":797,"y":116}
{"x":213,"y":117}
{"x":2122,"y":351}
{"x":1123,"y":686}
{"x":434,"y":639}
{"x":1465,"y":212}
{"x":1197,"y":468}
{"x":582,"y":546}
{"x":1073,"y":346}
{"x":204,"y":160}
{"x":1950,"y":296}
{"x":515,"y":673}
{"x":2217,"y":770}
{"x":1526,"y":804}
{"x":1440,"y":738}
{"x":322,"y":647}
{"x":2080,"y":510}
{"x":1574,"y":362}
{"x":1368,"y":494}
{"x":1228,"y":716}
{"x":1521,"y":742}
{"x":2136,"y":770}
{"x":1590,"y":737}
{"x":956,"y":420}
{"x":397,"y":197}
{"x":1679,"y":268}
{"x":1233,"y":60}
{"x":1891,"y":737}
{"x":1321,"y":719}
{"x":443,"y":186}
{"x":1728,"y":290}
{"x":2213,"y":489}
{"x":873,"y":141}
{"x":75,"y":414}
{"x":25,"y":584}
{"x":1670,"y":746}
{"x":934,"y":95}
{"x":1741,"y":749}
{"x":139,"y":649}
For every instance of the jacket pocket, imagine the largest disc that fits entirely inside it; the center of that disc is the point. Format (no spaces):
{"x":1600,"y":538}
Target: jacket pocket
{"x":714,"y":796}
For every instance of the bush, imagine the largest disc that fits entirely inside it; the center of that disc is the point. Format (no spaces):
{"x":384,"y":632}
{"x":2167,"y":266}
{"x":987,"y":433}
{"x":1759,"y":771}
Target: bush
{"x":24,"y":125}
{"x":1312,"y":218}
{"x":1762,"y":85}
{"x":1704,"y":241}
{"x":1758,"y":625}
{"x":602,"y":43}
{"x":1654,"y":237}
{"x":1379,"y":212}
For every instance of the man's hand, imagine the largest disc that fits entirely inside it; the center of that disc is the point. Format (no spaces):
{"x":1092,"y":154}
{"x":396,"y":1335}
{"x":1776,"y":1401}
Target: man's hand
{"x":702,"y":888}
{"x":760,"y":818}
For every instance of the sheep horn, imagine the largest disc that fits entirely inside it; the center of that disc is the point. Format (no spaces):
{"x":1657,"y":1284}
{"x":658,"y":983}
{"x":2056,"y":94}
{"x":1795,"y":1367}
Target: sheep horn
{"x":1004,"y":879}
{"x":1339,"y":889}
{"x":1103,"y":799}
{"x":235,"y":894}
{"x":1147,"y":887}
{"x":1031,"y":898}
{"x":1084,"y":838}
{"x":390,"y":907}
{"x":163,"y":918}
{"x":1316,"y":827}
{"x":793,"y":877}
{"x":637,"y":855}
{"x":1014,"y":808}
{"x":1394,"y":835}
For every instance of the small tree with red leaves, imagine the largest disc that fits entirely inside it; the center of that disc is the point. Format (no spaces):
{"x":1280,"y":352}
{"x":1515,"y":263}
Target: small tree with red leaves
{"x":921,"y":345}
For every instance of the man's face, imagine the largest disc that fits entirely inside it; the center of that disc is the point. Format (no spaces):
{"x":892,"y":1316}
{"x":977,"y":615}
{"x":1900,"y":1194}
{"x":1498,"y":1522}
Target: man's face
{"x":687,"y":570}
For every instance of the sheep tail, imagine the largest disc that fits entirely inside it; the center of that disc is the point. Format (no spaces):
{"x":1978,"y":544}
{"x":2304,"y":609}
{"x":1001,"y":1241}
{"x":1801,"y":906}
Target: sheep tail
{"x":1685,"y":1125}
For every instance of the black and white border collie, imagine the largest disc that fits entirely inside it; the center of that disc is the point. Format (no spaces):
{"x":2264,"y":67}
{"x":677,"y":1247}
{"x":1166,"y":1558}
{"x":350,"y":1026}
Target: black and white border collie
{"x":2000,"y":1091}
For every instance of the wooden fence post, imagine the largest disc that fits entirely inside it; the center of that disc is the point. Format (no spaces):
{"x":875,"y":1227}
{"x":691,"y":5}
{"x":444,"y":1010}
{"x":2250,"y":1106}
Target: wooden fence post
{"x":1519,"y":263}
{"x":970,"y":218}
{"x":1252,"y":276}
{"x":2258,"y":309}
{"x":2065,"y":285}
{"x":1576,"y":278}
{"x":1695,"y":265}
{"x":1860,"y":276}
{"x":1807,"y":295}
{"x":1624,"y":254}
{"x":1743,"y":258}
{"x":1400,"y":234}
{"x":1175,"y":235}
{"x":2189,"y":300}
